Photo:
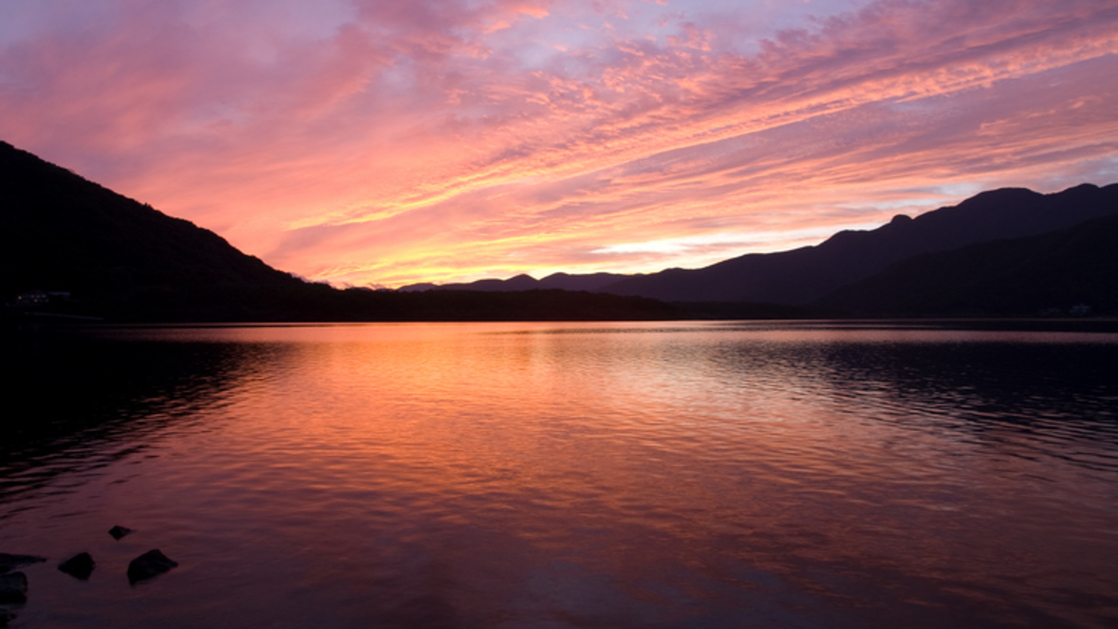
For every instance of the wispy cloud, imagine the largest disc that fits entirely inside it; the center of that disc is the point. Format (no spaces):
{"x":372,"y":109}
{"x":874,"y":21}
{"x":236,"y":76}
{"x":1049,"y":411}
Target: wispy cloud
{"x":369,"y":141}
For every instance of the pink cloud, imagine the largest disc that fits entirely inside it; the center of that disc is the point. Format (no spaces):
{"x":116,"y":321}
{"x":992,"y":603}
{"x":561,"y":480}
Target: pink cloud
{"x":393,"y":142}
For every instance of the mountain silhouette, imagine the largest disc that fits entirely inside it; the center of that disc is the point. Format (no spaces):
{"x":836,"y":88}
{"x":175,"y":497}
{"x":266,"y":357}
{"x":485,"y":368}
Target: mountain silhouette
{"x":560,"y":281}
{"x":1071,"y":271}
{"x":81,"y":249}
{"x":71,"y":247}
{"x":803,"y":275}
{"x":62,"y":233}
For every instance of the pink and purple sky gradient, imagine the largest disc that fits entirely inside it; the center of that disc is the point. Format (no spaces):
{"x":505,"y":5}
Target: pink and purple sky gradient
{"x":376,"y":142}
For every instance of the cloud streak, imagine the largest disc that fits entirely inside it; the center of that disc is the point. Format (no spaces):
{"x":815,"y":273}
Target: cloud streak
{"x":375,"y":142}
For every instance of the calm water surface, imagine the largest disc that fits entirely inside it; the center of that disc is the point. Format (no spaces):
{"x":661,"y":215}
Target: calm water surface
{"x":568,"y":475}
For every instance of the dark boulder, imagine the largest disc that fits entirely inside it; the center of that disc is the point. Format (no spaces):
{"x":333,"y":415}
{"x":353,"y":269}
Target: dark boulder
{"x":79,"y":566}
{"x":119,"y":531}
{"x":150,"y":564}
{"x":13,"y":587}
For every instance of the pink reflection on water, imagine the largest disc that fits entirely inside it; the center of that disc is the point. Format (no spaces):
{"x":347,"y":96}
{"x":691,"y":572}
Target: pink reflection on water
{"x":599,"y":474}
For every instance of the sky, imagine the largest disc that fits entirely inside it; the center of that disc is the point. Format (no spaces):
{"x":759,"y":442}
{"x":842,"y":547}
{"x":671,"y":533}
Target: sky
{"x":384,"y":143}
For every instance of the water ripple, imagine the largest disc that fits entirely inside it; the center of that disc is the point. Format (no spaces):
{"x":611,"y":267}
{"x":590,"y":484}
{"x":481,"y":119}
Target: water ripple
{"x":628,"y":475}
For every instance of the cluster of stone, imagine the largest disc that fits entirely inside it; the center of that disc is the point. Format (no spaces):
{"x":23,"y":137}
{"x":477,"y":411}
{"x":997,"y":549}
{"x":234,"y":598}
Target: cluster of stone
{"x":13,"y":583}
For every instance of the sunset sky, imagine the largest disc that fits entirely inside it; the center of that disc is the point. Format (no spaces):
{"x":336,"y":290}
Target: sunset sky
{"x":388,"y":142}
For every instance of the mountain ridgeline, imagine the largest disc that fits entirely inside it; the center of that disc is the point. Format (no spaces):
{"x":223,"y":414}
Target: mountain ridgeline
{"x":817,"y":276}
{"x":62,"y":234}
{"x":71,"y":247}
{"x":804,"y":275}
{"x":1068,"y":271}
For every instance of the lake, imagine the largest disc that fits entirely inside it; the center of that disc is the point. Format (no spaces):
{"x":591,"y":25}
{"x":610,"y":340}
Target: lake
{"x":691,"y":474}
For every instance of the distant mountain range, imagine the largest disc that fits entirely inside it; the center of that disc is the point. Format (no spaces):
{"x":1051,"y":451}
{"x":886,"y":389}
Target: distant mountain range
{"x":595,"y":282}
{"x":808,"y":275}
{"x":70,"y":246}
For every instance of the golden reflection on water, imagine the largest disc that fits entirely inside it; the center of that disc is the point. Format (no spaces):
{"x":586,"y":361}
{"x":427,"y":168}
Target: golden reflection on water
{"x":478,"y":475}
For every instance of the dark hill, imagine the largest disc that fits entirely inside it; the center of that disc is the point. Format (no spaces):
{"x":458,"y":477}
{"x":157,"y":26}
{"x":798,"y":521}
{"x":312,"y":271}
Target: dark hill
{"x":1070,"y":271}
{"x":69,"y":246}
{"x":802,"y":275}
{"x":60,"y":232}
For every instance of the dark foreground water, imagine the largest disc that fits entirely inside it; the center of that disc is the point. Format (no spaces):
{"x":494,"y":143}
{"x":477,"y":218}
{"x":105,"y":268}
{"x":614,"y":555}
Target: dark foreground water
{"x":567,"y":475}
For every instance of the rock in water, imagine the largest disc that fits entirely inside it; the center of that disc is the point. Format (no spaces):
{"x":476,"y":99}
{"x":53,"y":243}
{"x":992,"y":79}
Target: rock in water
{"x":148,"y":565}
{"x":79,"y":566}
{"x":119,"y":531}
{"x":13,"y":587}
{"x":11,"y":562}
